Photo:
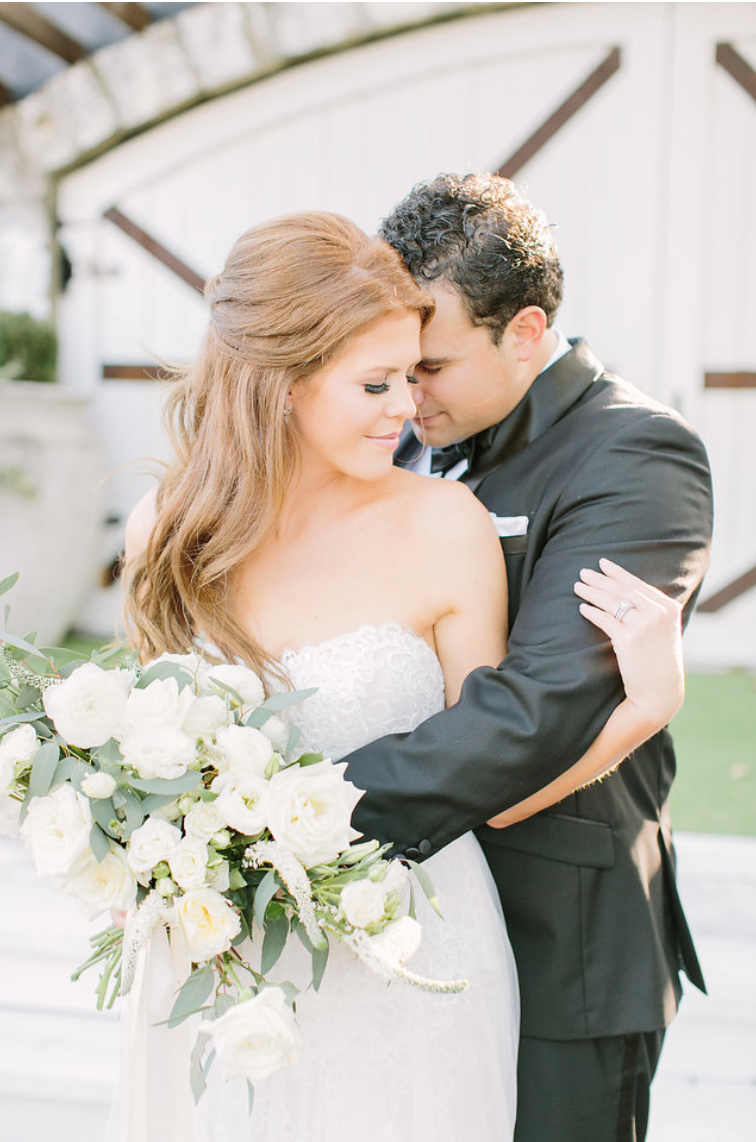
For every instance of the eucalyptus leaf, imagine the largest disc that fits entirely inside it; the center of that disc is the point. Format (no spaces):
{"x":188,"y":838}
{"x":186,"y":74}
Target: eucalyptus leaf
{"x":28,"y":695}
{"x":223,"y":1001}
{"x":159,"y":671}
{"x":258,"y":717}
{"x":426,"y":884}
{"x":192,"y":994}
{"x":109,"y":753}
{"x":274,"y":942}
{"x":175,"y":786}
{"x":319,"y":956}
{"x":43,"y":770}
{"x":103,"y":811}
{"x":61,"y":656}
{"x":266,"y":890}
{"x":294,"y":736}
{"x":250,"y":1098}
{"x":98,"y":842}
{"x":135,"y":812}
{"x":292,"y":698}
{"x":8,"y":582}
{"x":155,"y":801}
{"x":18,"y":643}
{"x":70,"y":768}
{"x":17,"y":719}
{"x":196,"y":1070}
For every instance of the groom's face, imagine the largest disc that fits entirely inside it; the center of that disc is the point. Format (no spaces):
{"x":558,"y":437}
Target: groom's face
{"x":465,"y":383}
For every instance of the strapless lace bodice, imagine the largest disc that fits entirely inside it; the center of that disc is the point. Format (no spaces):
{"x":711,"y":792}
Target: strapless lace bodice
{"x":372,"y":681}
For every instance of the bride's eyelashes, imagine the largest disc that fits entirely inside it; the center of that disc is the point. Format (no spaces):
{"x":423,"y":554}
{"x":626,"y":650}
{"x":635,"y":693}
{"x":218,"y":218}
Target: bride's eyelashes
{"x":384,"y":387}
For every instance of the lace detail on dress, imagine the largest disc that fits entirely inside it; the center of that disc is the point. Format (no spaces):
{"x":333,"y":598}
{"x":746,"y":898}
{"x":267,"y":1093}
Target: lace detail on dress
{"x":372,"y":681}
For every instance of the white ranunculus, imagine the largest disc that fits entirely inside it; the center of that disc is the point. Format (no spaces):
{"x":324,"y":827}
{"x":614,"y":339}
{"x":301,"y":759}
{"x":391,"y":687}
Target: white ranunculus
{"x":277,"y":730}
{"x":56,"y":830}
{"x":10,"y":816}
{"x":207,"y":921}
{"x":257,"y":1037}
{"x":188,"y":863}
{"x":99,"y":785}
{"x":242,"y":804}
{"x":397,"y":878}
{"x":363,"y":902}
{"x":159,"y":706}
{"x":103,"y":885}
{"x":219,"y":877}
{"x":309,"y":810}
{"x":193,"y":664}
{"x":86,"y":708}
{"x":206,"y":715}
{"x":242,"y":680}
{"x":400,"y":940}
{"x":17,"y":748}
{"x":152,"y":842}
{"x":165,"y":753}
{"x":204,"y":820}
{"x":246,"y":751}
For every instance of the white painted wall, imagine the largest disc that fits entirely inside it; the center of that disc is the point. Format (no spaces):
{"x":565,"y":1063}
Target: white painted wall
{"x":631,"y":184}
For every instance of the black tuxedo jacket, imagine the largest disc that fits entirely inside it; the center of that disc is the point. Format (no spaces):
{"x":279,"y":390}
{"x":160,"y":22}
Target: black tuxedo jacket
{"x":587,"y":887}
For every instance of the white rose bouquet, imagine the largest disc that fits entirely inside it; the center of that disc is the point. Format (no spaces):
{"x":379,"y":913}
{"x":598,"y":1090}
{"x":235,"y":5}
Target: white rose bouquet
{"x":171,"y":794}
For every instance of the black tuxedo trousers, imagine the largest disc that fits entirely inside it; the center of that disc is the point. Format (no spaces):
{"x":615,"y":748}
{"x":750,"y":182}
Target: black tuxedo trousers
{"x":588,"y":887}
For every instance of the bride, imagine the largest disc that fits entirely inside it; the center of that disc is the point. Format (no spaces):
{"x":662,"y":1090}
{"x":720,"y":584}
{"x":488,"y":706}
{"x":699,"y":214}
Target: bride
{"x":284,"y":534}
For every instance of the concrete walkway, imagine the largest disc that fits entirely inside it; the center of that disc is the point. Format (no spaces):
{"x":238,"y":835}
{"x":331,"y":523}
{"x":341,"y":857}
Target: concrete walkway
{"x":58,"y":1056}
{"x":705,"y":1090}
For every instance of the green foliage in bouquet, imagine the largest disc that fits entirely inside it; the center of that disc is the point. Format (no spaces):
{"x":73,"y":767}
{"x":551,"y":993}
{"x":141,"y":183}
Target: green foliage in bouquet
{"x":28,"y":348}
{"x":172,"y":794}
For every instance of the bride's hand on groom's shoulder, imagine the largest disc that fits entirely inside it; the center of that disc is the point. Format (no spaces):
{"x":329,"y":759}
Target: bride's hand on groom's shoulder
{"x":645,"y":629}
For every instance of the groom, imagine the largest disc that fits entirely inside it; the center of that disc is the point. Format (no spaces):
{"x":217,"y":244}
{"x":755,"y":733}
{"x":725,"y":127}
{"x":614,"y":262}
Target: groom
{"x":573,"y":464}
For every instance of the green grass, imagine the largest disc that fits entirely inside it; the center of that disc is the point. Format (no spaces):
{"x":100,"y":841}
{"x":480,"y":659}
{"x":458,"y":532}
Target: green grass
{"x":715,"y":742}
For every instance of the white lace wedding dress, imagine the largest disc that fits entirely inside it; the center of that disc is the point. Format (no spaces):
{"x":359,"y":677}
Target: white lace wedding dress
{"x":383,"y":1062}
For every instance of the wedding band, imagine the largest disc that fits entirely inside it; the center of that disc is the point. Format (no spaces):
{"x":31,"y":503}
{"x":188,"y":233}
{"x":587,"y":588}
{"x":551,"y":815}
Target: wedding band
{"x":622,"y":609}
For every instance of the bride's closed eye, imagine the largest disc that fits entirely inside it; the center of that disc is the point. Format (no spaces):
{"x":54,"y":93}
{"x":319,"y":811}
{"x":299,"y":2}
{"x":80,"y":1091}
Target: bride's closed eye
{"x":377,"y":389}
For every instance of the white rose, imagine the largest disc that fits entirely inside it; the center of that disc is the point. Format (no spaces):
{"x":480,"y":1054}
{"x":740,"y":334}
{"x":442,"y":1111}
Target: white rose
{"x":56,"y":830}
{"x":400,"y":940}
{"x":162,"y":753}
{"x":208,"y":923}
{"x":277,"y":731}
{"x":159,"y":706}
{"x":256,"y":1037}
{"x":10,"y":816}
{"x":87,"y":707}
{"x":363,"y":902}
{"x":205,"y":716}
{"x":204,"y":820}
{"x":309,"y":810}
{"x":242,"y":680}
{"x":105,"y":884}
{"x":188,"y":863}
{"x":152,"y":842}
{"x":246,"y":751}
{"x":193,"y":664}
{"x":242,"y":804}
{"x":99,"y":785}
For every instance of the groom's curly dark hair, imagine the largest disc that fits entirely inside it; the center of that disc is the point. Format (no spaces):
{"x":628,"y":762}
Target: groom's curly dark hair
{"x":480,"y":234}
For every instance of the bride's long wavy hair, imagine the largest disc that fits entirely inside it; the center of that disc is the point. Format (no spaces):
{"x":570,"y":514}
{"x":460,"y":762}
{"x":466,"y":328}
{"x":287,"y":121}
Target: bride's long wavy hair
{"x":293,"y":292}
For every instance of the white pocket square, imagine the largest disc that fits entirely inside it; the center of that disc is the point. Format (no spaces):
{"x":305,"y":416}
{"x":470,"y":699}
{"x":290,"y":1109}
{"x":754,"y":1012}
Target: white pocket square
{"x":510,"y":524}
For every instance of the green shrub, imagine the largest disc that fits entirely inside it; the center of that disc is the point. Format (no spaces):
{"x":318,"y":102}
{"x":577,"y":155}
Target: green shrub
{"x":28,"y":348}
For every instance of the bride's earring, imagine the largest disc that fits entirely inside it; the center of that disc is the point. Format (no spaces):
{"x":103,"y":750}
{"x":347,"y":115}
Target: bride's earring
{"x":287,"y":414}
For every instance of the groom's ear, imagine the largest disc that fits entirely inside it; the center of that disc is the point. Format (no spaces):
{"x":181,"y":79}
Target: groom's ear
{"x":526,"y":330}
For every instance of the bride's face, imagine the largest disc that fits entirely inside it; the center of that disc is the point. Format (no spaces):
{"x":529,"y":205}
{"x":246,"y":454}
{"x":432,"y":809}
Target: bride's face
{"x":348,"y":416}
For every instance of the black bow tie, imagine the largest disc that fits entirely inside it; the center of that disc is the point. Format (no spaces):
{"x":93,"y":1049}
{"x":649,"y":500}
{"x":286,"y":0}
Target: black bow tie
{"x":444,"y":459}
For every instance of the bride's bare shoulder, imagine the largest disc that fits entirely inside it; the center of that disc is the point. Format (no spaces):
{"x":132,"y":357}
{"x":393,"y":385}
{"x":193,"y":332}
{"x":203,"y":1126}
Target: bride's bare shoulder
{"x":444,"y":509}
{"x":140,"y":523}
